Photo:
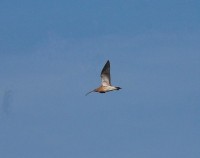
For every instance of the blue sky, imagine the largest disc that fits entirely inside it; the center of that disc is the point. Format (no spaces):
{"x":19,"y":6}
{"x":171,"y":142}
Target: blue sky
{"x":52,"y":53}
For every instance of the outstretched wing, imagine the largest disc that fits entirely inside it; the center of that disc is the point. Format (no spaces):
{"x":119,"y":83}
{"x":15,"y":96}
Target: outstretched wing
{"x":105,"y":75}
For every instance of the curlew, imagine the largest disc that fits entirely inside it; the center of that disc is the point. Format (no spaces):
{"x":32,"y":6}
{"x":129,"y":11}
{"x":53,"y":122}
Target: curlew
{"x":105,"y":81}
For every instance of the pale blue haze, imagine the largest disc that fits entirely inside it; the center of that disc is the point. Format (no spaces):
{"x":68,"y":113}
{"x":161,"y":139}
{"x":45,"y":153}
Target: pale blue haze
{"x":51,"y":54}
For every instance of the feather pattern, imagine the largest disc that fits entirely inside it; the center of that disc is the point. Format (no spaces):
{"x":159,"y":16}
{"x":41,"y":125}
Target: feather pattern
{"x":105,"y":75}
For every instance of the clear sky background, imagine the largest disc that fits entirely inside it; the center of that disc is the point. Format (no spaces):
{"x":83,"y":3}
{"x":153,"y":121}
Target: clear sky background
{"x":52,"y":53}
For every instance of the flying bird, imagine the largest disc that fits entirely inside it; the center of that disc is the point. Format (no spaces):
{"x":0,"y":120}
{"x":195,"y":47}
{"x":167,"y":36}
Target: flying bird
{"x":105,"y":81}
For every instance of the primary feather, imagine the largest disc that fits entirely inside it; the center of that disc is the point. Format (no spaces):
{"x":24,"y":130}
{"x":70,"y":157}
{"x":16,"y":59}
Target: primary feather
{"x":105,"y":75}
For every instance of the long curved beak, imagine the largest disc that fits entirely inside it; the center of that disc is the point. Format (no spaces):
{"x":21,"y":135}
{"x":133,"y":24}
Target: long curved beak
{"x":90,"y":92}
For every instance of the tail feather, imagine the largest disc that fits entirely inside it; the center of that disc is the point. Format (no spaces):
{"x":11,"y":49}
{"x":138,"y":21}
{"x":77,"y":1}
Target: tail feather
{"x":118,"y":88}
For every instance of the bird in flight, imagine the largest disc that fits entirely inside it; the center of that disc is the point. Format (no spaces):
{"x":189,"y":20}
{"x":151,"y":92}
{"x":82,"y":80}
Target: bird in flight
{"x":105,"y":81}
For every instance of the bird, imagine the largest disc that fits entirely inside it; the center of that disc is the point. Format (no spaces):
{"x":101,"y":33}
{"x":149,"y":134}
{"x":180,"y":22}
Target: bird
{"x":105,"y":81}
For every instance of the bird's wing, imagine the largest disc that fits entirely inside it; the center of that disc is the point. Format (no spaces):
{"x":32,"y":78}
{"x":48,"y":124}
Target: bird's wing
{"x":105,"y":75}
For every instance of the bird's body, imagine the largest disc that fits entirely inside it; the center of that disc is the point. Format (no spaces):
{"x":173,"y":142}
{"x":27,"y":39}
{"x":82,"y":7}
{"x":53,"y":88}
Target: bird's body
{"x":105,"y":81}
{"x":103,"y":89}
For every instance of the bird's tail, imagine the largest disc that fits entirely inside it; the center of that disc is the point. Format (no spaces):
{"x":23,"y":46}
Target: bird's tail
{"x":118,"y":88}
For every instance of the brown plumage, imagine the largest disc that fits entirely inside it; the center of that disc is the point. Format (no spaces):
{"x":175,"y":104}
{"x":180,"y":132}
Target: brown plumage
{"x":105,"y":81}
